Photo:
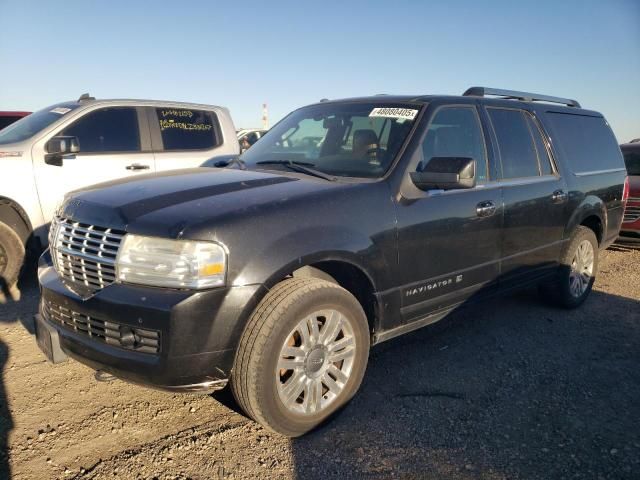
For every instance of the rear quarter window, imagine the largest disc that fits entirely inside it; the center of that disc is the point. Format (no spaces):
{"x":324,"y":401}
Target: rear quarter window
{"x":587,"y":142}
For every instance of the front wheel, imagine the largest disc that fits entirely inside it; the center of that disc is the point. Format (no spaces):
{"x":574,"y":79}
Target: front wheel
{"x":302,"y":355}
{"x":578,"y":268}
{"x":11,"y":257}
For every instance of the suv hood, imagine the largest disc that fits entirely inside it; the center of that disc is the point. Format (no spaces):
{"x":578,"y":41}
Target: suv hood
{"x":168,"y":203}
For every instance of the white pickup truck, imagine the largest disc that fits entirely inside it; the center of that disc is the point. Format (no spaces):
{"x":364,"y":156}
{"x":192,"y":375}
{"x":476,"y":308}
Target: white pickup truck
{"x":74,"y":144}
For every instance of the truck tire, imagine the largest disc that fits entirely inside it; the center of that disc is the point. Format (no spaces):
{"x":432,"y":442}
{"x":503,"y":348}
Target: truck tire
{"x":302,"y":355}
{"x":578,"y":269}
{"x":11,"y":256}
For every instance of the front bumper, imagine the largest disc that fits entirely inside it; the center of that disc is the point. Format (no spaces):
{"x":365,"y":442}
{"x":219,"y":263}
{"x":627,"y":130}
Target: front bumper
{"x":198,"y":332}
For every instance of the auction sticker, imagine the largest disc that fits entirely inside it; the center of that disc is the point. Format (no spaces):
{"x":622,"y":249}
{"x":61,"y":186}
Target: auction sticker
{"x":392,"y":112}
{"x":60,"y":110}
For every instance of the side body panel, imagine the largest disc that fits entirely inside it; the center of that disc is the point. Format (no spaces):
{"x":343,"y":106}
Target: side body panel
{"x":592,"y":192}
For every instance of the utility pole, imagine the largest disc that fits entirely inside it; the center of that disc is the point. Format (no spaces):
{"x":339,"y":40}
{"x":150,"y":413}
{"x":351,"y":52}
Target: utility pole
{"x":265,"y":117}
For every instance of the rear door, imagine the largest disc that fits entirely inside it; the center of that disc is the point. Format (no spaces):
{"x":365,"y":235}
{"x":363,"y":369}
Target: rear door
{"x":184,"y":137}
{"x":114,"y":143}
{"x":534,"y":194}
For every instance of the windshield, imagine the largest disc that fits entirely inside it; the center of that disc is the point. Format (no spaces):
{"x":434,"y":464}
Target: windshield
{"x":632,"y":161}
{"x":341,"y":139}
{"x":34,"y":123}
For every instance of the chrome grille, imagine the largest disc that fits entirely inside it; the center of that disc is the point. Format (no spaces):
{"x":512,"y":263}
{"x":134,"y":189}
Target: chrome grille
{"x":138,"y":339}
{"x":84,"y":254}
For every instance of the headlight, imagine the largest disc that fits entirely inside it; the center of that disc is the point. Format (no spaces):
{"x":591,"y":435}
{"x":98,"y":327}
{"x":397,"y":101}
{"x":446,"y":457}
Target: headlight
{"x":171,"y":263}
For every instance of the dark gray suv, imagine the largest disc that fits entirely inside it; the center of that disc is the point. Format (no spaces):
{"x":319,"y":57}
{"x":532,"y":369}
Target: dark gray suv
{"x":349,"y":223}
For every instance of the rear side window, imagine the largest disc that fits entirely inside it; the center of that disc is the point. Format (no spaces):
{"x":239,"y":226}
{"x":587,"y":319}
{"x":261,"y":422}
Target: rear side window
{"x":587,"y":142}
{"x":632,"y":161}
{"x":186,"y":129}
{"x":517,"y":150}
{"x":107,"y":130}
{"x":456,"y":132}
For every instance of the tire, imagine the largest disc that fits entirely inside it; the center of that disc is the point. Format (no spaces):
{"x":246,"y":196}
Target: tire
{"x":262,"y":378}
{"x":12,"y":255}
{"x":563,"y":291}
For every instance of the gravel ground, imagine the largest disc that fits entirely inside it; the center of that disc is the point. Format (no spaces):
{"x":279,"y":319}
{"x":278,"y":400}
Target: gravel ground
{"x":511,"y":389}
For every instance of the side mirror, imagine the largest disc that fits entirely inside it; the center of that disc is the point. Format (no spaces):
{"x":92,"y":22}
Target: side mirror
{"x":446,"y":173}
{"x":58,"y":147}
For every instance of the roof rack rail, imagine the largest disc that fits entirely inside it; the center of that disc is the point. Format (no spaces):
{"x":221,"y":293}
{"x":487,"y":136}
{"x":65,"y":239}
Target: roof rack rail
{"x":515,"y":95}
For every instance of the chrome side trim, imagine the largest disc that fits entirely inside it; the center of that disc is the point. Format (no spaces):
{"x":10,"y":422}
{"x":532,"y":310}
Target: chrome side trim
{"x":598,"y":172}
{"x":208,"y":386}
{"x":410,"y":327}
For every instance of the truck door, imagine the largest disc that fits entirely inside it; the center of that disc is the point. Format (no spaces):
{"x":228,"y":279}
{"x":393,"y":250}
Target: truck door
{"x":449,"y":242}
{"x":114,"y":143}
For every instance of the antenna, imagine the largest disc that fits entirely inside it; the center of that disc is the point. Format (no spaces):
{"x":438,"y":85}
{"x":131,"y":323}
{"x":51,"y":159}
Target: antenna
{"x":85,"y":97}
{"x":265,"y":117}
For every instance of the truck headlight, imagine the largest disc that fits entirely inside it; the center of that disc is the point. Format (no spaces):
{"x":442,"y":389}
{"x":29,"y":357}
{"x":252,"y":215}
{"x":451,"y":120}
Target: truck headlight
{"x":171,"y":263}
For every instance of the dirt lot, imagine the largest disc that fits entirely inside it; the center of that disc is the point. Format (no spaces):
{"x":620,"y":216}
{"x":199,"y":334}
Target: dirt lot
{"x":509,"y":390}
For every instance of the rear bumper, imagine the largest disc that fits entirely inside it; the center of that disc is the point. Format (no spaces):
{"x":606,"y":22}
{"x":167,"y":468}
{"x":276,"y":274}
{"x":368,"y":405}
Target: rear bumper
{"x":198,"y":332}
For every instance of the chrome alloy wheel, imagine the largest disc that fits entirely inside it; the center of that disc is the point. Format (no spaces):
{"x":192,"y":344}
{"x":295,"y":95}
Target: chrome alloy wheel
{"x":315,"y":362}
{"x":581,"y":269}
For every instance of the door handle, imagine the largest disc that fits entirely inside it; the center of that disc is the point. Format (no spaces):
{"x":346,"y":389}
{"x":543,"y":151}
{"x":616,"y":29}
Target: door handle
{"x":486,"y":208}
{"x":137,"y":166}
{"x":559,"y":196}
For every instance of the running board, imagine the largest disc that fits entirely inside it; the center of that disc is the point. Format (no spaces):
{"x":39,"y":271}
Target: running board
{"x":409,"y":327}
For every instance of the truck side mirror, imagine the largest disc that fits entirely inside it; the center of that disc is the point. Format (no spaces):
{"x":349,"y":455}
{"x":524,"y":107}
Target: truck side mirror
{"x":446,"y":173}
{"x":58,"y":147}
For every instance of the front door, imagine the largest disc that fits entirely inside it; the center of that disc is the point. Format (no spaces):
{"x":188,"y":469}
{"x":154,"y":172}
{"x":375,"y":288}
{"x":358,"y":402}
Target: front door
{"x":111,"y":147}
{"x":449,"y":242}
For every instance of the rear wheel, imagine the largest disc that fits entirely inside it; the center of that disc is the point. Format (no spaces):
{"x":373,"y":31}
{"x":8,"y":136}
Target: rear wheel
{"x":578,"y":268}
{"x":11,"y":256}
{"x":302,"y":355}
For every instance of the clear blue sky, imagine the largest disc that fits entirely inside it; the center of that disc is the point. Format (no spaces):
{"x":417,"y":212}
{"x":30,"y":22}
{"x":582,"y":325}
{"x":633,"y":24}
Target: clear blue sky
{"x":291,"y":53}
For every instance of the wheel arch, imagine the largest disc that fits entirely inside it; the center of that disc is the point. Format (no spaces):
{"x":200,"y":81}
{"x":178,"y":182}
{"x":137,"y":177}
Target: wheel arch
{"x":341,"y":269}
{"x":591,"y":213}
{"x":13,"y":215}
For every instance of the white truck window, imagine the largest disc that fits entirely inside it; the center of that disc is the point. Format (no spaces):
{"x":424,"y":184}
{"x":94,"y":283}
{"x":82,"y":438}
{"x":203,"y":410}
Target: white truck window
{"x":107,"y":130}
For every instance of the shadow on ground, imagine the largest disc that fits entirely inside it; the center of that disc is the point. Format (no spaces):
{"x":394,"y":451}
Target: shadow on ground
{"x":509,"y":389}
{"x":8,"y":308}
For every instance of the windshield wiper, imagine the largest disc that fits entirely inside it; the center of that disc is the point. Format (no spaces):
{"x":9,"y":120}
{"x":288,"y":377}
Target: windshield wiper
{"x":303,"y":167}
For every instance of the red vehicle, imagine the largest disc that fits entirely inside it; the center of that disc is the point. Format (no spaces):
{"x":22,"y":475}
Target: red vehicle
{"x":631,"y":224}
{"x":7,"y":118}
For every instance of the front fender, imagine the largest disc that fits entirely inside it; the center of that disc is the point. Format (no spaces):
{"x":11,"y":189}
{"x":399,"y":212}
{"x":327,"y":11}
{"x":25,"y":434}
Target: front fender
{"x":278,"y":258}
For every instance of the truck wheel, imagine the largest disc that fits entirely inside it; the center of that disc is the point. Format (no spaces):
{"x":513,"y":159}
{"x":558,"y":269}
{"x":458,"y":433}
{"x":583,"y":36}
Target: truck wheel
{"x":302,"y":355}
{"x":578,"y":268}
{"x":11,"y":256}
